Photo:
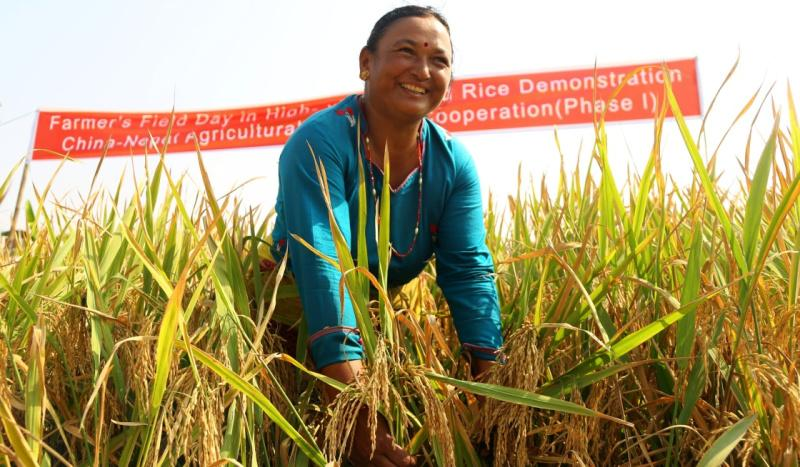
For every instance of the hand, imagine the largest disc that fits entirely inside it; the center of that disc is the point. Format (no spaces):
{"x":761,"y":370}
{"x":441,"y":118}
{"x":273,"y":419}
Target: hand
{"x":387,"y":452}
{"x":480,"y":370}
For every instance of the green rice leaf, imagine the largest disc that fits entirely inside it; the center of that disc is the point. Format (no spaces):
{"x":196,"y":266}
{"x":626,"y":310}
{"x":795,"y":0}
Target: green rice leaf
{"x":35,"y":392}
{"x":158,"y":274}
{"x":624,"y":345}
{"x":705,"y":179}
{"x":685,"y":336}
{"x":694,"y":388}
{"x":363,"y":254}
{"x":755,"y":201}
{"x":717,"y":452}
{"x":13,"y":294}
{"x":565,"y":386}
{"x":384,"y":245}
{"x":166,"y":342}
{"x":521,"y":397}
{"x":172,"y":318}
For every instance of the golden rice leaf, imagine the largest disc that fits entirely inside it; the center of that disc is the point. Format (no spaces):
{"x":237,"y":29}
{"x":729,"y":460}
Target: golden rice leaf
{"x":21,"y":449}
{"x":549,"y":250}
{"x":308,"y":446}
{"x":794,"y":126}
{"x":335,"y":383}
{"x":7,"y":180}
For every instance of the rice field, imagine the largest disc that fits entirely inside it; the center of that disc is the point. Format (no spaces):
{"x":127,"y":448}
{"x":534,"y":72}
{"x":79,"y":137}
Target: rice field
{"x":646,"y":323}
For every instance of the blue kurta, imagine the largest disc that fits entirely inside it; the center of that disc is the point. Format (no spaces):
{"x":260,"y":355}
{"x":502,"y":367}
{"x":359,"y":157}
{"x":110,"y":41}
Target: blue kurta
{"x":451,"y":227}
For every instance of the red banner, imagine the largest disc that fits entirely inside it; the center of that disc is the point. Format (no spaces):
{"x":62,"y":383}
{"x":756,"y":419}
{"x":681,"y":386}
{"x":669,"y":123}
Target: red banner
{"x":511,"y":101}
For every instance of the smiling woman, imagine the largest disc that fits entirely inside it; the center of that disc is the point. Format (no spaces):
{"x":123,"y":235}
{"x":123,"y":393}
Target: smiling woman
{"x":435,"y":199}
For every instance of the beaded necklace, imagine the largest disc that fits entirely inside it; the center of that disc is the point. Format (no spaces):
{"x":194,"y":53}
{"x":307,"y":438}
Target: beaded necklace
{"x":368,"y":157}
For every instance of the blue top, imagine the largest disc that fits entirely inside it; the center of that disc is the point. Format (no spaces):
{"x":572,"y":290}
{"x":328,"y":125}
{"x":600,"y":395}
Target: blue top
{"x":451,"y":227}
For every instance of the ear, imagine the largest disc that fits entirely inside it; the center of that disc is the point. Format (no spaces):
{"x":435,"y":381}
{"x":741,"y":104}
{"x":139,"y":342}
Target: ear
{"x":364,"y":59}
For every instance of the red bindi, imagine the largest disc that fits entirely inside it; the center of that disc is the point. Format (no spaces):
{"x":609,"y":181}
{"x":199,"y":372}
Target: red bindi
{"x":425,"y":44}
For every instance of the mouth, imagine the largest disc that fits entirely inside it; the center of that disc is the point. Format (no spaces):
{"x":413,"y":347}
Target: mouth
{"x":414,"y":89}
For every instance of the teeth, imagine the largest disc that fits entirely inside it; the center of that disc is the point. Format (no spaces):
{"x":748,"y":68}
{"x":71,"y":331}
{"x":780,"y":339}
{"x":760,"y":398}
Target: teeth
{"x":413,"y":88}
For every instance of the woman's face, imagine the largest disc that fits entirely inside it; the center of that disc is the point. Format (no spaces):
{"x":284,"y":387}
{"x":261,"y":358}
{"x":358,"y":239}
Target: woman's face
{"x":410,"y":70}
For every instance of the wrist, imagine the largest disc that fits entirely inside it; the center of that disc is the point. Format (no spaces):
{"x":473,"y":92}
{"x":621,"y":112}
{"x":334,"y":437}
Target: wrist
{"x":346,"y":372}
{"x":480,"y":367}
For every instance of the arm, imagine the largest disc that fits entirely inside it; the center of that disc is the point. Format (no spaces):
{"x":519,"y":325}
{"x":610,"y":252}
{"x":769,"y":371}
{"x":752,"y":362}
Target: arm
{"x":465,"y":271}
{"x":334,"y":345}
{"x":331,"y":327}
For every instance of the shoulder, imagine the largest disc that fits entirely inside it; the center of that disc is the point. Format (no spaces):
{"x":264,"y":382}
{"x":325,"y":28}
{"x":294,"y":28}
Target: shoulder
{"x":448,"y":147}
{"x":332,"y":123}
{"x":326,"y":131}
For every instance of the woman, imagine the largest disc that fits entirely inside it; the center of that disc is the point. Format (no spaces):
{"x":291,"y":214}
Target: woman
{"x":406,"y":69}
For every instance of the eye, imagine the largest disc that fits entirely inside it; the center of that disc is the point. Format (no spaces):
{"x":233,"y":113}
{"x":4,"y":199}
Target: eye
{"x":442,"y":61}
{"x":406,"y":50}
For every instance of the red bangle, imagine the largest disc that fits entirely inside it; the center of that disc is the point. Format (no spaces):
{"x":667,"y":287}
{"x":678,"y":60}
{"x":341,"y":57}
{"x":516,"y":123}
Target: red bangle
{"x":334,"y":329}
{"x":496,"y":353}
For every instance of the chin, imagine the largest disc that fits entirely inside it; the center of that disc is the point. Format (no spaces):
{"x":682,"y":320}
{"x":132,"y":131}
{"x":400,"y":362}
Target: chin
{"x":417,"y":111}
{"x":415,"y":115}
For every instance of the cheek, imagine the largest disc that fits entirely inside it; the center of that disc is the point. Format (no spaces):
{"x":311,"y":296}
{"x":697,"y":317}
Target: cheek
{"x":444,"y":78}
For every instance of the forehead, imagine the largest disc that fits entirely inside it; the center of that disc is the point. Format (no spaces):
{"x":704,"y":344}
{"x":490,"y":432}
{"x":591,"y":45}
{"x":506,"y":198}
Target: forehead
{"x":419,"y":30}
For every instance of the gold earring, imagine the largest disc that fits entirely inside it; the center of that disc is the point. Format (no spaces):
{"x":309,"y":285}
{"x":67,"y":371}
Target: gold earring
{"x":364,"y":75}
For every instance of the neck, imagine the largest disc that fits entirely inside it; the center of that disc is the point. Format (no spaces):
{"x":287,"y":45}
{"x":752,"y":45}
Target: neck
{"x":401,"y":137}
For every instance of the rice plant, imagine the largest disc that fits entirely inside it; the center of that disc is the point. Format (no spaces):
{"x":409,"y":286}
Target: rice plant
{"x":654,"y":324}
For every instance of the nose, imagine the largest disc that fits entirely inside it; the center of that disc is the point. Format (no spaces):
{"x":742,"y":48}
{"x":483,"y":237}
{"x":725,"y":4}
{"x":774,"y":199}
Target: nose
{"x":422,"y":71}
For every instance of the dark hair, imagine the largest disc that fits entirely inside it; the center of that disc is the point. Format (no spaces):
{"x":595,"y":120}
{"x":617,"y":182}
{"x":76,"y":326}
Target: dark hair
{"x":407,"y":11}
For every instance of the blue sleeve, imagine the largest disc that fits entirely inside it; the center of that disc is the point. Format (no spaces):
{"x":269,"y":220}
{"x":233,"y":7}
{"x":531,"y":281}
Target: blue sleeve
{"x":464,"y":267}
{"x":332,"y":330}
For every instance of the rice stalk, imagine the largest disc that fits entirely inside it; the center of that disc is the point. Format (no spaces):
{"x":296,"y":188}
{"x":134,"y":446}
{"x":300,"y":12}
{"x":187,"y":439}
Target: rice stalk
{"x":643,"y":320}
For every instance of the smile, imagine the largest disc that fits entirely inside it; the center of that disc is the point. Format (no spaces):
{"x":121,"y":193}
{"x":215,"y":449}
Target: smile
{"x":414,"y":89}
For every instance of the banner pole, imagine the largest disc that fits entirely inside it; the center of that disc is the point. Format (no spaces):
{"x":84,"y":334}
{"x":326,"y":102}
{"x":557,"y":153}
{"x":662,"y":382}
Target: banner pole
{"x":12,"y":232}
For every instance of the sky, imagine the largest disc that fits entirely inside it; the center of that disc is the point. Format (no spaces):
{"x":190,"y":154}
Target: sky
{"x":152,"y":55}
